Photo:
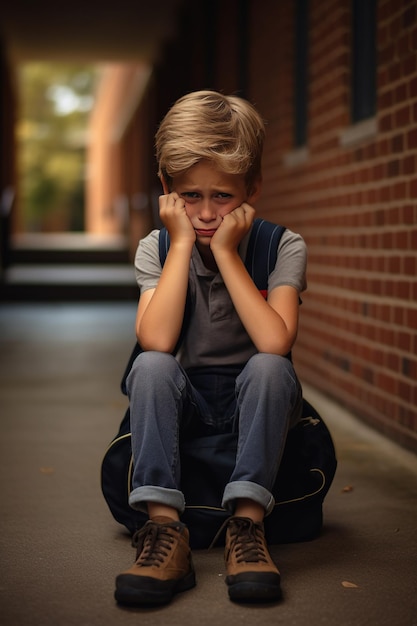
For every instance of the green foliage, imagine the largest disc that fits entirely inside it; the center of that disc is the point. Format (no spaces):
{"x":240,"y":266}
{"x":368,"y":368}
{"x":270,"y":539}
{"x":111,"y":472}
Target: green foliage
{"x":55,"y":103}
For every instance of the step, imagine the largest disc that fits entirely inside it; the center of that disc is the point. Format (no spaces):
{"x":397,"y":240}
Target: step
{"x":76,"y":282}
{"x":63,"y":248}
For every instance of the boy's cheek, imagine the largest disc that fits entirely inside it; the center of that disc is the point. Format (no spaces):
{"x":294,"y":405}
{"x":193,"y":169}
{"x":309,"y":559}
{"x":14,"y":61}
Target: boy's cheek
{"x":227,"y":210}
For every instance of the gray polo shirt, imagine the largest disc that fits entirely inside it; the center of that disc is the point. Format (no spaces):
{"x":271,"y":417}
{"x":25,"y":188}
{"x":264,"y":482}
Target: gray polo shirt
{"x":215,"y":335}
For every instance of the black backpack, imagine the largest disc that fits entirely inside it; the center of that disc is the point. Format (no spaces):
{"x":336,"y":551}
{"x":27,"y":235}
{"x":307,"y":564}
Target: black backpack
{"x":306,"y":470}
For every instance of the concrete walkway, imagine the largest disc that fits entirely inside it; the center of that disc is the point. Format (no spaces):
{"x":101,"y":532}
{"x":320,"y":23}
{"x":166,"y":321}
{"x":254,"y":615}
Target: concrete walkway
{"x":60,"y":405}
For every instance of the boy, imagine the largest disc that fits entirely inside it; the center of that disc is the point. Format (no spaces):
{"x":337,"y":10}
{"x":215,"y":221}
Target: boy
{"x":230,"y":372}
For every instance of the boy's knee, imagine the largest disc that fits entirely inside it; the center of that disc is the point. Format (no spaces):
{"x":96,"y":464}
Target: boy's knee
{"x":263,"y":365}
{"x":152,"y":359}
{"x":151,"y":365}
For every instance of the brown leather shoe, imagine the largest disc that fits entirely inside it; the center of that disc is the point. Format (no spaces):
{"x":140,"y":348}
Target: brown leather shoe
{"x":163,"y":564}
{"x":251,"y":574}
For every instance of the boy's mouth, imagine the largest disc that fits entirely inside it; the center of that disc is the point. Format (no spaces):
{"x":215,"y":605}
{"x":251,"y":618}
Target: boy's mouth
{"x":205,"y":232}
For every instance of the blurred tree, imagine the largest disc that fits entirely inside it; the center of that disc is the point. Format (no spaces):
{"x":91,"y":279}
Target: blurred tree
{"x":55,"y":103}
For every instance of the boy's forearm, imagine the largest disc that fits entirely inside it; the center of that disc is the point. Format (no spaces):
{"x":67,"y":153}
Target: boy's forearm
{"x":264,"y":325}
{"x":160,"y":325}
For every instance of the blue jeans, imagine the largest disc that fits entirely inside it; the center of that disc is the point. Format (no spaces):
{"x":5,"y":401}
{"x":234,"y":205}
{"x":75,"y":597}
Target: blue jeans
{"x":260,"y":402}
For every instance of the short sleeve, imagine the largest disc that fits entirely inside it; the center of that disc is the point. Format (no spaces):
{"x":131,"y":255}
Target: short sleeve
{"x":291,"y":265}
{"x":147,"y":264}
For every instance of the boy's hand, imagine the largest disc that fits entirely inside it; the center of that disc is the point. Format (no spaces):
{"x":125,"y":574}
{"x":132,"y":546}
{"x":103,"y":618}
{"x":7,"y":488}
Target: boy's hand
{"x":175,"y":219}
{"x":233,"y":228}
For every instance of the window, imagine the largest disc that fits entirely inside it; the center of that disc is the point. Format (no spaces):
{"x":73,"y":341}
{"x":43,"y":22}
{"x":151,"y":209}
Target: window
{"x":210,"y":12}
{"x":300,"y":73}
{"x":243,"y":47}
{"x":363,"y":86}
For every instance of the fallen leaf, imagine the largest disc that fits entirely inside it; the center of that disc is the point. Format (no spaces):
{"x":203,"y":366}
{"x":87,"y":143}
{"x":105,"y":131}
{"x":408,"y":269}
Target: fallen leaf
{"x":349,"y":585}
{"x":347,"y":489}
{"x":47,"y":470}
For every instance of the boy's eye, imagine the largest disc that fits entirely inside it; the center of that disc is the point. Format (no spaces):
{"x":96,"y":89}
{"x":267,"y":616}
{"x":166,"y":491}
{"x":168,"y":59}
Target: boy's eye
{"x":195,"y":195}
{"x":189,"y":194}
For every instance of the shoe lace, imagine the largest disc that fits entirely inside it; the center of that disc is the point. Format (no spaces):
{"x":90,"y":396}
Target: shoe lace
{"x":153,"y":543}
{"x":247,"y":541}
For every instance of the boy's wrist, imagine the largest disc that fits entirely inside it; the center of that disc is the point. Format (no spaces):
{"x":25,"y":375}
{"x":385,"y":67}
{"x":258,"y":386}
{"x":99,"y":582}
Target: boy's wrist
{"x":225,"y":255}
{"x":184,"y":246}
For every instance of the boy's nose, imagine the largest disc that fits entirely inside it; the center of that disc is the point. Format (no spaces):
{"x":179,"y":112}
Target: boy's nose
{"x":207,"y":211}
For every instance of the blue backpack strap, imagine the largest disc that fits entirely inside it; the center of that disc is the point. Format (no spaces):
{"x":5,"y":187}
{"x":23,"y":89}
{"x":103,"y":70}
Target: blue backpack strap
{"x":163,"y":245}
{"x":261,"y":255}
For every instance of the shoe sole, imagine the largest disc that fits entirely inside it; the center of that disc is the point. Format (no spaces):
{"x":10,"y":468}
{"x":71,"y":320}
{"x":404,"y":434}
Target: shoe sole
{"x":149,"y":594}
{"x":263,"y":587}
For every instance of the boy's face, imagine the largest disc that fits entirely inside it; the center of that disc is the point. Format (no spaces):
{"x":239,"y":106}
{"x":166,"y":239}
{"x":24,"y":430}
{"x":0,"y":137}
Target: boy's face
{"x":210,"y":194}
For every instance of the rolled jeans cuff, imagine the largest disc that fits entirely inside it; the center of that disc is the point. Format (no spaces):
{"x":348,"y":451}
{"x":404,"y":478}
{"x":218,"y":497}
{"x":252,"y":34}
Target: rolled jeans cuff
{"x":170,"y":497}
{"x":247,"y":489}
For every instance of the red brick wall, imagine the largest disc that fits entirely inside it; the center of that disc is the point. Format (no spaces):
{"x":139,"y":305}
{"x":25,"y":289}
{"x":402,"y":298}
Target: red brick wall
{"x":354,"y":204}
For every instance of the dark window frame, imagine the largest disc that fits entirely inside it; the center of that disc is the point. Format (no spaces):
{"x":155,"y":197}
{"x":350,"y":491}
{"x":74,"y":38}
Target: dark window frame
{"x":210,"y":13}
{"x":364,"y":60}
{"x":243,"y":34}
{"x":301,"y":45}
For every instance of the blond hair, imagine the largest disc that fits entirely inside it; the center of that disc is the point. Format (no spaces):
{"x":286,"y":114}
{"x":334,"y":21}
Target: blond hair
{"x":206,"y":125}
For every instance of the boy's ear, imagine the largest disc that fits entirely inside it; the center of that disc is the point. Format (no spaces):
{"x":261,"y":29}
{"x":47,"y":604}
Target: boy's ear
{"x":165,"y":186}
{"x":255,"y":191}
